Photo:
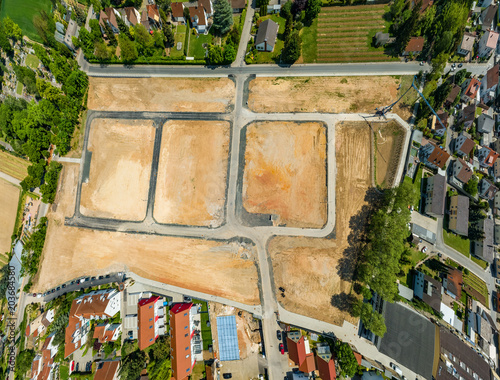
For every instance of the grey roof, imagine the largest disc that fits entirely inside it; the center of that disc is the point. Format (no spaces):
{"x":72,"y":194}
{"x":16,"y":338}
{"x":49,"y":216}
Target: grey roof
{"x":438,"y":194}
{"x":268,"y":31}
{"x":382,"y":38}
{"x":488,"y":14}
{"x":405,"y":292}
{"x":462,"y":215}
{"x":416,"y":350}
{"x":467,"y":42}
{"x":497,"y":235}
{"x":424,"y":234}
{"x":487,"y":225}
{"x":485,"y":123}
{"x":427,"y":289}
{"x":417,"y":136}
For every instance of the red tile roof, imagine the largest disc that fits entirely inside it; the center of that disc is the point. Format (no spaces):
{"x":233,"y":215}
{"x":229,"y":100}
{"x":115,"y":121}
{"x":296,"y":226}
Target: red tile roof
{"x":206,"y":5}
{"x":326,"y":369}
{"x":106,"y":370}
{"x":492,"y":76}
{"x":415,"y":44}
{"x":467,"y":146}
{"x":472,"y":88}
{"x":358,"y":357}
{"x":146,"y":322}
{"x":438,"y":157}
{"x":180,"y":336}
{"x":104,"y":333}
{"x":296,"y":349}
{"x":177,"y":10}
{"x":465,"y":173}
{"x":308,"y":365}
{"x":153,"y":12}
{"x":131,"y":15}
{"x":197,"y":12}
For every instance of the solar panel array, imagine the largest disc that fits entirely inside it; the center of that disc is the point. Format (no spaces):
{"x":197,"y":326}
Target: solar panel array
{"x":228,"y":338}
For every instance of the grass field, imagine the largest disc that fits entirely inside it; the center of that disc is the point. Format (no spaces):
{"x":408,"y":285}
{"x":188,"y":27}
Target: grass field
{"x":14,"y":166}
{"x":477,"y":284}
{"x":196,"y":48}
{"x":343,"y":35}
{"x":180,"y":36}
{"x":22,"y":12}
{"x":32,"y":61}
{"x":417,"y":183}
{"x":483,"y":264}
{"x":19,"y":88}
{"x":457,"y":242}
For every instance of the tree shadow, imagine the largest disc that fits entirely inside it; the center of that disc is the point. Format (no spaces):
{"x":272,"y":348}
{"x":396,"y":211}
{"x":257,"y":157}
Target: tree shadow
{"x":343,"y":301}
{"x":346,"y":268}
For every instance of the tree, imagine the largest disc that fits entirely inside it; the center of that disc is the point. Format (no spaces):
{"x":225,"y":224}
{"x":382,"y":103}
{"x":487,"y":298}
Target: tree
{"x":346,"y":359}
{"x":12,"y":30}
{"x":164,"y":5}
{"x":262,"y":5}
{"x":229,"y":53}
{"x":101,"y":51}
{"x":110,"y":34}
{"x":444,"y":43}
{"x":128,"y":51}
{"x":298,"y":6}
{"x":286,"y":10}
{"x":312,"y":10}
{"x":132,"y":365}
{"x":223,"y":17}
{"x":475,"y":233}
{"x":24,"y":360}
{"x":460,"y":76}
{"x":396,"y":8}
{"x":169,"y":35}
{"x":471,"y":186}
{"x":123,"y":27}
{"x":406,"y":30}
{"x":438,"y":65}
{"x":292,"y":48}
{"x":373,"y":320}
{"x":288,"y":28}
{"x":48,"y":189}
{"x":214,"y":56}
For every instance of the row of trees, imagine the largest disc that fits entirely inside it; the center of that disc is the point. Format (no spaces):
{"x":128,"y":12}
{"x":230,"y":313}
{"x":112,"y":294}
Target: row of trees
{"x":157,"y":359}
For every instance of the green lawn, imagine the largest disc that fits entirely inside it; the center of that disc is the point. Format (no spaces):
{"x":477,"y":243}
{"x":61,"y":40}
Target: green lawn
{"x":417,"y":183}
{"x":457,"y":242}
{"x":270,"y":57}
{"x":180,"y":36}
{"x":22,"y":12}
{"x":64,"y":372}
{"x":483,"y":264}
{"x":206,"y":331}
{"x":477,"y":284}
{"x":19,"y":88}
{"x":309,"y":35}
{"x":32,"y":61}
{"x":196,"y":48}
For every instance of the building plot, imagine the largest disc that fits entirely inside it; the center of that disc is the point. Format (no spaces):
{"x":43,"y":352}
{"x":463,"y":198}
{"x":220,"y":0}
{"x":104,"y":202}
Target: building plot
{"x":120,"y":169}
{"x":9,"y":199}
{"x":192,"y":173}
{"x":317,"y":273}
{"x":161,"y":94}
{"x":285,"y":172}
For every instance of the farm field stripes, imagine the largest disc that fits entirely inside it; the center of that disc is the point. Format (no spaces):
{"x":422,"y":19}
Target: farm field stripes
{"x":342,"y":34}
{"x":14,"y":166}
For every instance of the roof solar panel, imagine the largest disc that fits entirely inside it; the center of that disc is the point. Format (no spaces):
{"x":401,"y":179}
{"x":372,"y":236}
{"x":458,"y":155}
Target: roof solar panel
{"x":228,"y":338}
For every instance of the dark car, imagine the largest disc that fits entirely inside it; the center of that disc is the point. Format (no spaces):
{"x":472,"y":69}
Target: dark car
{"x":282,"y":349}
{"x":278,"y":334}
{"x":227,"y":376}
{"x":63,"y":286}
{"x":87,"y":279}
{"x":107,"y":276}
{"x":53,"y":290}
{"x":460,"y":65}
{"x":282,"y":289}
{"x":93,"y":278}
{"x":72,"y":282}
{"x":101,"y":277}
{"x":77,"y":282}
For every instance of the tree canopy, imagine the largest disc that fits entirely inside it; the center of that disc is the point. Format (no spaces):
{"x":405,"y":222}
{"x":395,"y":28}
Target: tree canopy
{"x":223,"y":17}
{"x":346,"y":359}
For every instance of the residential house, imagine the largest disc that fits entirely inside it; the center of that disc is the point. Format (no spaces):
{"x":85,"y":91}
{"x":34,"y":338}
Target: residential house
{"x":130,"y":16}
{"x":299,"y":352}
{"x":435,"y":194}
{"x":207,"y":6}
{"x":467,"y":45}
{"x":496,"y":145}
{"x":487,"y":44}
{"x":150,"y":320}
{"x":486,"y":189}
{"x":266,"y":36}
{"x":181,"y":333}
{"x":42,"y":367}
{"x":487,"y":156}
{"x":497,"y":238}
{"x":100,"y":304}
{"x":484,"y":248}
{"x":468,"y":115}
{"x":439,"y":124}
{"x":153,"y":16}
{"x":488,"y":18}
{"x":71,"y":31}
{"x":381,"y":38}
{"x":459,"y":215}
{"x":145,"y":20}
{"x":462,"y":171}
{"x":198,"y":18}
{"x":324,"y":362}
{"x":107,"y":370}
{"x":106,"y":332}
{"x":463,"y":145}
{"x":427,"y":290}
{"x":496,"y":170}
{"x":109,"y":15}
{"x":489,"y":84}
{"x":452,"y":96}
{"x":471,"y":90}
{"x":178,"y":12}
{"x":433,"y":156}
{"x":452,"y":283}
{"x":40,"y":324}
{"x":459,"y":361}
{"x":414,"y":46}
{"x":485,"y":123}
{"x":238,"y":5}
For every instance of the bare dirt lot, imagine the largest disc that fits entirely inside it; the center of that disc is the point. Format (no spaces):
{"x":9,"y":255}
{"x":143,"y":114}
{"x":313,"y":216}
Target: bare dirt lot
{"x":122,"y":152}
{"x":316,"y":273}
{"x":9,"y":198}
{"x":389,"y":139}
{"x":192,"y":171}
{"x":161,"y":94}
{"x":324,"y":94}
{"x":206,"y":266}
{"x":285,"y":172}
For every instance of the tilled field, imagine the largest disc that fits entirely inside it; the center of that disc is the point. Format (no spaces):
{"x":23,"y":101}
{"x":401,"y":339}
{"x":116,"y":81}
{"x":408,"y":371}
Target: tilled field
{"x":9,"y":198}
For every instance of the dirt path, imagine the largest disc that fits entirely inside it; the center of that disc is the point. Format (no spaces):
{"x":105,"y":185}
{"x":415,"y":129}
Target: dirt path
{"x":324,"y":267}
{"x":161,"y":94}
{"x":122,"y":152}
{"x":389,"y":139}
{"x":285,"y":172}
{"x":9,"y":198}
{"x":191,"y":188}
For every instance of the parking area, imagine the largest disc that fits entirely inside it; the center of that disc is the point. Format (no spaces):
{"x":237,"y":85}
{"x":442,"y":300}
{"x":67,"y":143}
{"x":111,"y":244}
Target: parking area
{"x":82,"y":360}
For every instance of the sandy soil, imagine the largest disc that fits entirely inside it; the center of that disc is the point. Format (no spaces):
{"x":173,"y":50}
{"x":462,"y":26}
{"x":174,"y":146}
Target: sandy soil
{"x":122,"y":152}
{"x":285,"y":172}
{"x":9,"y":198}
{"x":323,"y":267}
{"x":161,"y":94}
{"x":322,"y":94}
{"x":390,"y":137}
{"x":192,"y":171}
{"x":206,"y":266}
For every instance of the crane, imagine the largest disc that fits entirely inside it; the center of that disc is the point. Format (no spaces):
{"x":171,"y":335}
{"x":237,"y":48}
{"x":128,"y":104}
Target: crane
{"x":382,"y":111}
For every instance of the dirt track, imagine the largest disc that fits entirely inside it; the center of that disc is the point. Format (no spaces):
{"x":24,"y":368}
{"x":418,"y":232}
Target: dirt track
{"x":192,"y":173}
{"x":389,"y":138}
{"x":9,"y":198}
{"x":323,"y":267}
{"x":160,"y":94}
{"x":201,"y":265}
{"x":285,"y":172}
{"x":122,"y":152}
{"x":322,"y":94}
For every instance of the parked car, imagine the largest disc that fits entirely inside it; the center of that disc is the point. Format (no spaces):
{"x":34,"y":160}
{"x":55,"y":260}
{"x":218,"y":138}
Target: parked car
{"x":101,"y":277}
{"x":93,"y":278}
{"x":63,"y":286}
{"x":460,"y":65}
{"x":107,"y":276}
{"x":227,"y":375}
{"x":278,"y":334}
{"x":282,"y":349}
